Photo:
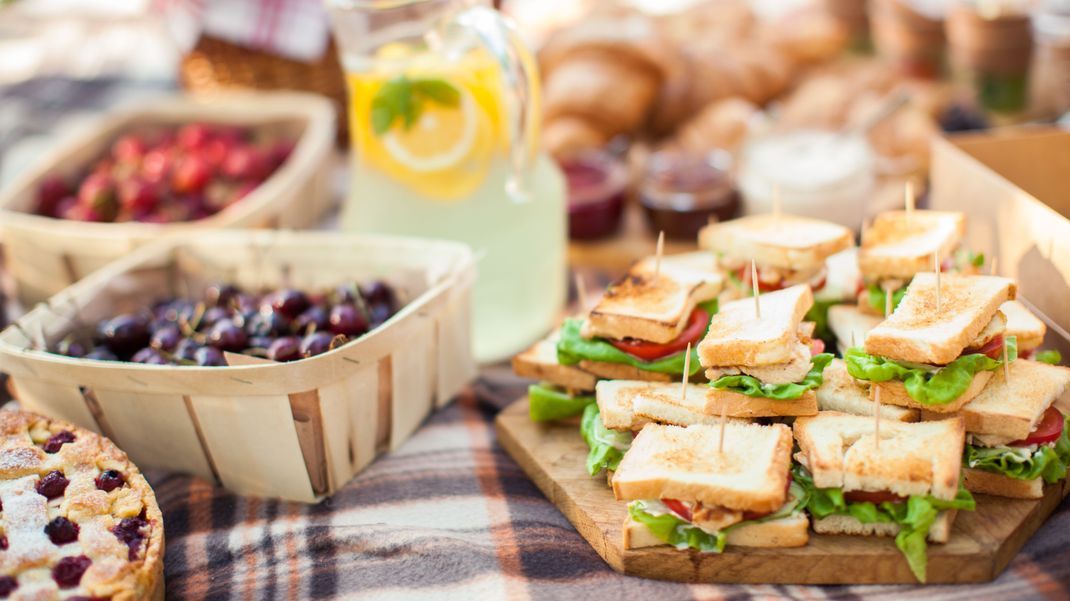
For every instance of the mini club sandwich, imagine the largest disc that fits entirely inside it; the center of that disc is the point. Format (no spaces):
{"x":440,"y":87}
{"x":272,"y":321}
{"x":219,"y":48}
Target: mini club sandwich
{"x":1016,"y":439}
{"x":562,"y":391}
{"x":937,"y":360}
{"x":787,"y":250}
{"x":899,"y":245}
{"x":1029,"y":331}
{"x":763,"y":366}
{"x":641,"y":327}
{"x":686,"y":492}
{"x":849,"y":323}
{"x":840,"y":392}
{"x":907,"y":486}
{"x":624,"y":407}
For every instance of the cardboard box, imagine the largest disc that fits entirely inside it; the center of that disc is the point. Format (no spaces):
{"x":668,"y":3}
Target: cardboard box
{"x":1014,"y":186}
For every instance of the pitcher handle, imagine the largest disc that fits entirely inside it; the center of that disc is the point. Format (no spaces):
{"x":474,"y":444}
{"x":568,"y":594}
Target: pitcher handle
{"x":521,"y":93}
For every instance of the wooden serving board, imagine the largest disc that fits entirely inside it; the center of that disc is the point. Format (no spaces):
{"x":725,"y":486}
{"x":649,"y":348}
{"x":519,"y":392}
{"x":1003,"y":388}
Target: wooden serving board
{"x":982,"y":542}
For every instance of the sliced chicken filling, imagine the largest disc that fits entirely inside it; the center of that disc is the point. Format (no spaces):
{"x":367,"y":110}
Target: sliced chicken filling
{"x":791,"y":371}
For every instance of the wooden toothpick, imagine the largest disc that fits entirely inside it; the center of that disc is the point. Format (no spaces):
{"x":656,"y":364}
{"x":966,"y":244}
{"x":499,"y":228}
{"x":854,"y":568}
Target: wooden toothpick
{"x":724,"y":418}
{"x":657,"y":254}
{"x":1006,"y":364}
{"x":936,"y":268}
{"x":686,"y":374}
{"x":581,"y":293}
{"x":887,"y":302}
{"x":992,"y":268}
{"x":754,"y":289}
{"x":877,"y":415}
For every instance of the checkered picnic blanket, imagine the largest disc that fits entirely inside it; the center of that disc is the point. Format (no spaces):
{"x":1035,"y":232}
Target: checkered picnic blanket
{"x":449,"y":515}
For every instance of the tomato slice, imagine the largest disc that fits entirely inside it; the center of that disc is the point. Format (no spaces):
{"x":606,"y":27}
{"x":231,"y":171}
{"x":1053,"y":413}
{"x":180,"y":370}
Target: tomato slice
{"x":743,"y":273}
{"x":869,"y":496}
{"x":649,"y":351}
{"x":817,"y":346}
{"x":1049,"y":429}
{"x":993,"y":349}
{"x":678,"y":508}
{"x":1026,"y":354}
{"x":818,"y":285}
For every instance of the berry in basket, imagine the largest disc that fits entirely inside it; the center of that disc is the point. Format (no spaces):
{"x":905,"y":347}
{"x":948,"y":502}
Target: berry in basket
{"x":166,"y":175}
{"x":281,"y":325}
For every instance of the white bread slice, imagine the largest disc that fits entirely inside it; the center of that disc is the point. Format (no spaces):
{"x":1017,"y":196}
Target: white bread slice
{"x":784,"y":242}
{"x":845,"y":524}
{"x":840,"y":392}
{"x":670,"y":462}
{"x":622,"y":371}
{"x":900,"y":246}
{"x":1013,"y":410}
{"x":737,"y":337}
{"x":628,"y":405}
{"x":916,"y":332}
{"x":849,"y":323}
{"x":1022,"y":324}
{"x":741,"y":405}
{"x":791,"y":531}
{"x":913,"y":458}
{"x":539,"y":362}
{"x":895,"y":393}
{"x":655,"y":308}
{"x":991,"y":483}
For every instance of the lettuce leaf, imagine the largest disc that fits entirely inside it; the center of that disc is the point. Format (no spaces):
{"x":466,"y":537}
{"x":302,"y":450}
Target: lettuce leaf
{"x":607,"y":447}
{"x":573,"y":348}
{"x":876,"y":297}
{"x":1051,"y":357}
{"x":819,"y":314}
{"x":753,"y":387}
{"x":1046,"y":462}
{"x":548,"y":403}
{"x":915,"y":517}
{"x":924,"y":386}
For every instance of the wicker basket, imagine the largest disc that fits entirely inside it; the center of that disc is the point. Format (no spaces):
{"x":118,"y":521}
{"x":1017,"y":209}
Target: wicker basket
{"x":299,"y":430}
{"x":214,"y":64}
{"x":46,"y":255}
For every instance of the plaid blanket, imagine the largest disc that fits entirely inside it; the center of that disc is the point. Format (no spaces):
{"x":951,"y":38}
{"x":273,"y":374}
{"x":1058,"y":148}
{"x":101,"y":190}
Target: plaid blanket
{"x":449,"y":515}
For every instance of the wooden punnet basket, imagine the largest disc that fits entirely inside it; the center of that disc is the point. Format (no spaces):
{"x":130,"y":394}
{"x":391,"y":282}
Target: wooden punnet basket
{"x":46,"y":255}
{"x":296,"y":430}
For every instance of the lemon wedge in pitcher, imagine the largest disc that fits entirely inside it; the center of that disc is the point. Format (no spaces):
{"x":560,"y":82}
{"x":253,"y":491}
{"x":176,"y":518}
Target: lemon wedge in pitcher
{"x":441,"y":137}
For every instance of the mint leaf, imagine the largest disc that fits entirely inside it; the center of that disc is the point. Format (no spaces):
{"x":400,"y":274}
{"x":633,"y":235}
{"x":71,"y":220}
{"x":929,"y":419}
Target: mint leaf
{"x":977,"y":260}
{"x":438,"y":91}
{"x":382,"y":114}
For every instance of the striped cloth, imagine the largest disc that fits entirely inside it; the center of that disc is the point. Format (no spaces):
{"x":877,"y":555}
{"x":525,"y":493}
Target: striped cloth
{"x":449,"y":515}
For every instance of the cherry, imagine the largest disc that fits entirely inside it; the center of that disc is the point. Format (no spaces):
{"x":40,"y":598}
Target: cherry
{"x":212,"y":315}
{"x":157,"y":165}
{"x":209,"y":357}
{"x":166,"y":337}
{"x":314,"y":318}
{"x":287,"y":348}
{"x":125,"y":334}
{"x":138,"y":196}
{"x":50,"y":193}
{"x":71,"y":348}
{"x":97,"y":198}
{"x":260,"y":342}
{"x":225,"y":335}
{"x":347,"y":320}
{"x":62,"y":531}
{"x":149,"y":356}
{"x":186,"y":350}
{"x":128,"y":531}
{"x":101,"y":353}
{"x":289,"y":302}
{"x":379,"y":292}
{"x":246,"y":162}
{"x":8,"y":584}
{"x":129,"y":148}
{"x":68,"y":570}
{"x":220,"y":295}
{"x":315,"y":343}
{"x":3,"y":543}
{"x":52,"y":485}
{"x":53,"y":444}
{"x":175,"y":311}
{"x":109,"y":480}
{"x":194,"y":136}
{"x":267,"y":323}
{"x":191,"y":175}
{"x":378,"y":313}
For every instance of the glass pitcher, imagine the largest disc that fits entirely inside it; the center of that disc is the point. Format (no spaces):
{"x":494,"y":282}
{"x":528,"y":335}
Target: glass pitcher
{"x":443,"y":115}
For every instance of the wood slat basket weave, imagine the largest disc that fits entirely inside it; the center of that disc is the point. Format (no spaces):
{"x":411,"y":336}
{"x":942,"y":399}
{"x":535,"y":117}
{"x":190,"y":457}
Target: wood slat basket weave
{"x":299,"y":430}
{"x":46,"y":255}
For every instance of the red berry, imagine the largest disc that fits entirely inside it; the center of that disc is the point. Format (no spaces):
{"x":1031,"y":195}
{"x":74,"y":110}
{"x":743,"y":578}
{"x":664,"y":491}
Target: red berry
{"x":50,"y":194}
{"x":68,"y":571}
{"x":98,"y":199}
{"x":8,"y":584}
{"x":62,"y":531}
{"x":129,"y":148}
{"x":191,"y":175}
{"x":157,"y":165}
{"x":53,"y":444}
{"x":347,"y":320}
{"x":128,"y":531}
{"x":246,"y":162}
{"x":109,"y":480}
{"x":194,"y":135}
{"x":52,"y":485}
{"x":138,"y":196}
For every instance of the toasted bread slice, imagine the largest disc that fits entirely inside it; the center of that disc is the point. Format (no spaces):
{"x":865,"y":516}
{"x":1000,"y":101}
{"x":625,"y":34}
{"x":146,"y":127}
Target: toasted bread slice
{"x":991,"y":483}
{"x":784,"y":241}
{"x":741,"y":405}
{"x":898,"y":245}
{"x":539,"y":362}
{"x":792,"y":531}
{"x":1022,"y":324}
{"x":1012,"y":410}
{"x":845,"y":524}
{"x":913,"y":458}
{"x":655,"y":307}
{"x":895,"y":393}
{"x":918,"y":333}
{"x":670,"y":462}
{"x":840,"y":392}
{"x":622,"y":371}
{"x":629,"y":404}
{"x":849,"y":323}
{"x":737,"y":337}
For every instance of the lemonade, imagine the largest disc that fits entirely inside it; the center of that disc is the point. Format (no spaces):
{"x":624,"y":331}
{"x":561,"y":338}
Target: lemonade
{"x":433,"y":145}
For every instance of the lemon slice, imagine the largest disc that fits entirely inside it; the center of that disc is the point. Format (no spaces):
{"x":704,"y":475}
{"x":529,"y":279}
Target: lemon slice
{"x":440,"y":138}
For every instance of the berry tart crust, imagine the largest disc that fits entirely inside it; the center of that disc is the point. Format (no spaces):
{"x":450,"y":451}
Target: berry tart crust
{"x":77,"y":518}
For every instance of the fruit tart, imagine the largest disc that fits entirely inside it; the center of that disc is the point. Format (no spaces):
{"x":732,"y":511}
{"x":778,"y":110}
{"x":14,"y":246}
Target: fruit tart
{"x":77,"y":518}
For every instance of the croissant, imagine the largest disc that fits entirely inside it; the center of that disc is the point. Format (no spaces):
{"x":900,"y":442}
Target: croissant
{"x":721,"y":125}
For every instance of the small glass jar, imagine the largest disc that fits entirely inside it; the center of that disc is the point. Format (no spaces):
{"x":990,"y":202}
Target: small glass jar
{"x":991,"y":45}
{"x":1051,"y":64}
{"x":818,"y":174}
{"x":681,"y":192}
{"x":909,"y":34}
{"x":597,"y":186}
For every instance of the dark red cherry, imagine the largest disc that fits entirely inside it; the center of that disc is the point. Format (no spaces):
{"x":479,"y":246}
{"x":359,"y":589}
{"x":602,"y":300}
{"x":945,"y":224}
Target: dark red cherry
{"x":378,"y":313}
{"x":61,"y":531}
{"x":166,"y":337}
{"x":267,"y":323}
{"x":212,"y":316}
{"x":260,"y":342}
{"x":109,"y":480}
{"x":287,"y":348}
{"x":8,"y":584}
{"x":53,"y":444}
{"x":220,"y":295}
{"x":379,"y":292}
{"x":315,"y":343}
{"x":185,"y":349}
{"x":347,"y":320}
{"x":290,"y":303}
{"x":101,"y":353}
{"x":209,"y":357}
{"x":71,"y":348}
{"x":124,"y":335}
{"x":52,"y":485}
{"x":3,"y":543}
{"x":225,"y":335}
{"x":129,"y":532}
{"x":314,"y":318}
{"x":149,"y":356}
{"x":68,"y":571}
